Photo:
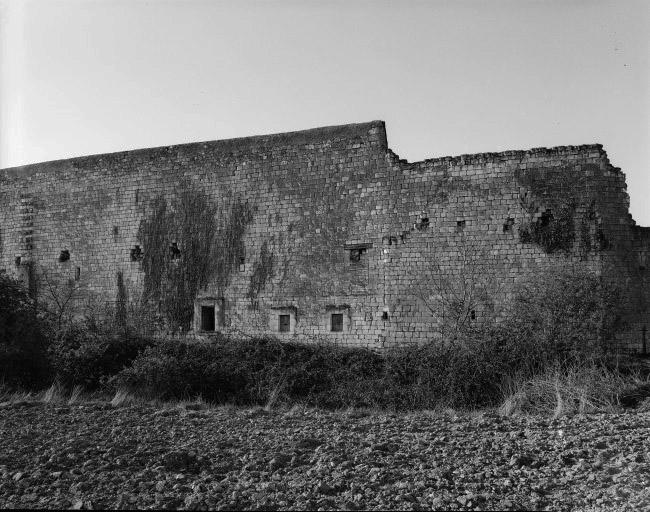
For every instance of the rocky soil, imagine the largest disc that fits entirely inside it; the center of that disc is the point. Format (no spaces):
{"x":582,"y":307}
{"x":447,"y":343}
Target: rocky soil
{"x":97,"y":456}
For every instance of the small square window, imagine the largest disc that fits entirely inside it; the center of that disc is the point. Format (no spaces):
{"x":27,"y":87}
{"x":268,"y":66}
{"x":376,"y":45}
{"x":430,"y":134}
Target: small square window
{"x":356,"y":255}
{"x":284,"y":323}
{"x":460,"y":226}
{"x":337,"y":322}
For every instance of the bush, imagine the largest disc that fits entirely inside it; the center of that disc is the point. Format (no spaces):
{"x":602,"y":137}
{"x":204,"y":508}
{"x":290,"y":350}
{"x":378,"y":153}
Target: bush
{"x":572,"y":314}
{"x":82,"y":357}
{"x":180,"y":369}
{"x":466,"y":373}
{"x":23,"y":346}
{"x":561,"y":320}
{"x":255,"y":371}
{"x":259,"y":371}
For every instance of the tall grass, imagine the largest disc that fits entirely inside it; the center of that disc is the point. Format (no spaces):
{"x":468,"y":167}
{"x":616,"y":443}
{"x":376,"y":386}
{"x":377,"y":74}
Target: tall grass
{"x":567,"y":391}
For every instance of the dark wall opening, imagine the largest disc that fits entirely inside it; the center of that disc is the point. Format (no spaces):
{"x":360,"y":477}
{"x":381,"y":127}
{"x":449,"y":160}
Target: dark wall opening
{"x":337,"y":322}
{"x":284,"y":323}
{"x":207,"y":318}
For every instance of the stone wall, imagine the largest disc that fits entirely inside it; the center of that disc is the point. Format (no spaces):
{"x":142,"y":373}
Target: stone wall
{"x":316,"y":230}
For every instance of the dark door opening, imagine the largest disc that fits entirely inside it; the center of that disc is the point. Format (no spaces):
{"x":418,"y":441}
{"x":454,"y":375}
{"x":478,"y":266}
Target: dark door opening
{"x":285,"y":323}
{"x":337,"y":322}
{"x":207,"y":318}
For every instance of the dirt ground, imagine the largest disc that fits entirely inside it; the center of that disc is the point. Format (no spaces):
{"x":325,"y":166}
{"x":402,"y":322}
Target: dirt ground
{"x":96,"y":456}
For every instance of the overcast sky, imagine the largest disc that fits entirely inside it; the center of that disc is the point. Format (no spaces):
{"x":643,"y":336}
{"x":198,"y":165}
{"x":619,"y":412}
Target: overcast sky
{"x":85,"y":77}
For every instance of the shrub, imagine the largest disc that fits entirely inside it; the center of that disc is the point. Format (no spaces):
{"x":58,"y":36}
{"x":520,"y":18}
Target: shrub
{"x":325,"y":375}
{"x":462,"y":374}
{"x":180,"y":369}
{"x":23,"y":347}
{"x":562,"y":319}
{"x":82,"y":357}
{"x":250,"y":371}
{"x":570,"y":315}
{"x":262,"y":370}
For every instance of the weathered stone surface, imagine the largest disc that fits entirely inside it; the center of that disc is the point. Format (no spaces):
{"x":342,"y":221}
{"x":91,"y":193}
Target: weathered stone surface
{"x":321,"y":233}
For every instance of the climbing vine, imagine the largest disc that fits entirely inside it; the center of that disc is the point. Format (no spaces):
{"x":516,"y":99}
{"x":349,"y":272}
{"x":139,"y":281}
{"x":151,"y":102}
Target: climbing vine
{"x":121,"y":301}
{"x":552,"y":232}
{"x":262,"y":272}
{"x":551,"y":199}
{"x":228,"y":245}
{"x":187,"y":242}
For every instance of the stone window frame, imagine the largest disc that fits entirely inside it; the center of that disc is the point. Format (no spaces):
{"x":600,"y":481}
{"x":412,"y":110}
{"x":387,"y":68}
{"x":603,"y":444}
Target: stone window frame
{"x":219,"y":313}
{"x":338,"y":309}
{"x":274,"y":319}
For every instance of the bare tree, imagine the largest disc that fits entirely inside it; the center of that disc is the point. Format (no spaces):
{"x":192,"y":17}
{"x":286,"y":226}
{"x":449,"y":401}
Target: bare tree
{"x":459,"y":291}
{"x":58,"y":296}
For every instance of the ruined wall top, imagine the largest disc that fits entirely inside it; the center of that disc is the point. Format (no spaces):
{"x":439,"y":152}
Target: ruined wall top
{"x":541,"y":154}
{"x":262,"y":143}
{"x":359,"y":131}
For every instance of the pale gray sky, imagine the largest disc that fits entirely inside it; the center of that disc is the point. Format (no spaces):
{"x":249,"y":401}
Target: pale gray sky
{"x":84,"y":77}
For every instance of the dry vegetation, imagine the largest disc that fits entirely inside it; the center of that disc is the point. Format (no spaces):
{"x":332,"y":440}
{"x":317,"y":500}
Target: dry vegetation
{"x":522,"y":414}
{"x":552,"y":354}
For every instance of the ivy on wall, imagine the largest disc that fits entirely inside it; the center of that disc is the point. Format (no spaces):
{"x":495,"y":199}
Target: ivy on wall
{"x":551,"y":231}
{"x":121,"y":301}
{"x":187,"y":243}
{"x":262,"y":272}
{"x":228,"y":244}
{"x":551,"y":200}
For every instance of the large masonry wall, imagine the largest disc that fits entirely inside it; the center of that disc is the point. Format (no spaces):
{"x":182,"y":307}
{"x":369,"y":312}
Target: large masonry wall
{"x":303,"y":227}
